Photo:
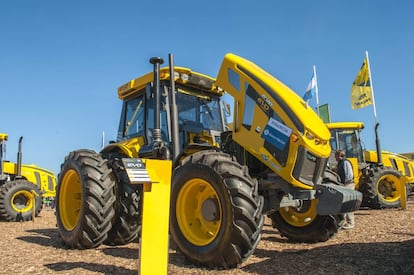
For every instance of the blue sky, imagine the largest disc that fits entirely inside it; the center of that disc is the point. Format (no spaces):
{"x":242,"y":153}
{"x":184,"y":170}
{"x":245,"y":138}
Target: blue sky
{"x":61,"y":62}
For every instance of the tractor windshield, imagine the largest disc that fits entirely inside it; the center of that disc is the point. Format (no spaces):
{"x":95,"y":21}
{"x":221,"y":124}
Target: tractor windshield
{"x":348,"y":140}
{"x":199,"y":112}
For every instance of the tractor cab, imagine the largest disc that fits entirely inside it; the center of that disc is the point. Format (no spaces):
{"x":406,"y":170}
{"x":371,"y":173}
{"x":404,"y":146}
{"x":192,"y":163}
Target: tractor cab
{"x":201,"y":117}
{"x":346,"y":136}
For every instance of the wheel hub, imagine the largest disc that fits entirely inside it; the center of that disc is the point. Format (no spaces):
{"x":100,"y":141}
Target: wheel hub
{"x":300,"y":216}
{"x":198,"y":212}
{"x":210,"y":210}
{"x":22,"y":201}
{"x":386,"y":188}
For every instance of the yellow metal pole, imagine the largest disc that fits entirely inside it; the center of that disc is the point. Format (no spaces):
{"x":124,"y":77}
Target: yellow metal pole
{"x":153,"y":258}
{"x":33,"y":209}
{"x":403,"y":198}
{"x":33,"y":198}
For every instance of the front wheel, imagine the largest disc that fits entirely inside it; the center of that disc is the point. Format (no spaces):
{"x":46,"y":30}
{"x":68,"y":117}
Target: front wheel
{"x":216,"y":217}
{"x":17,"y":200}
{"x":303,"y":224}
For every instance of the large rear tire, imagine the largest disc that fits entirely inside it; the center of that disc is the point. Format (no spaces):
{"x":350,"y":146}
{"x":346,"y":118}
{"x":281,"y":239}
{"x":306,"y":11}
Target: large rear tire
{"x":216,"y":218}
{"x":85,"y":200}
{"x":17,"y":199}
{"x":382,"y":189}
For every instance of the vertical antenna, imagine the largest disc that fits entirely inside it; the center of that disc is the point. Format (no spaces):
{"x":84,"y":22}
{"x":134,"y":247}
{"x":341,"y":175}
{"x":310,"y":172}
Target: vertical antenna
{"x":103,"y":139}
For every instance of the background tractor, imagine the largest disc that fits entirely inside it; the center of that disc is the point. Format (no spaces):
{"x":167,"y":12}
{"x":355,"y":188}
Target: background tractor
{"x":22,"y":186}
{"x":243,"y":146}
{"x":399,"y":162}
{"x":378,"y":181}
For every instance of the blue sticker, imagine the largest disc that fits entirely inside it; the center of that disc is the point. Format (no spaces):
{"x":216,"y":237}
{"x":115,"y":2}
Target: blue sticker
{"x":276,"y":134}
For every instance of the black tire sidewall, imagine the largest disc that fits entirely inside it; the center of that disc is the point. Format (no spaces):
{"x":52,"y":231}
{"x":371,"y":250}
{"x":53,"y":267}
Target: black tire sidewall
{"x":97,"y":206}
{"x":11,"y":188}
{"x":320,"y":229}
{"x":377,"y":176}
{"x":206,"y":173}
{"x":65,"y":234}
{"x":127,"y":219}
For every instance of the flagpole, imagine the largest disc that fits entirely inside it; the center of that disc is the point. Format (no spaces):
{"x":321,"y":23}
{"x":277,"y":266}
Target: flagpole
{"x":377,"y":140}
{"x":372,"y":88}
{"x":316,"y":89}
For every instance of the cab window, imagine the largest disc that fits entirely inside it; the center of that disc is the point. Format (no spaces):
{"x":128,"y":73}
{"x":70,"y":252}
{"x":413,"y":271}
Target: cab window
{"x":133,"y":118}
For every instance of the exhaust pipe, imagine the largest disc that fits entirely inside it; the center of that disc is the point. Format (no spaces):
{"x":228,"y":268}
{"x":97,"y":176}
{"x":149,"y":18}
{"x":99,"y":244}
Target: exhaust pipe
{"x":174,"y":111}
{"x":19,"y":158}
{"x":156,"y":132}
{"x":159,"y":150}
{"x":2,"y":153}
{"x":377,"y":143}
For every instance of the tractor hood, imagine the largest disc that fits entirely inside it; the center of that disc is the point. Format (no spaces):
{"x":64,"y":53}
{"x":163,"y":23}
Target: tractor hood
{"x":295,"y":109}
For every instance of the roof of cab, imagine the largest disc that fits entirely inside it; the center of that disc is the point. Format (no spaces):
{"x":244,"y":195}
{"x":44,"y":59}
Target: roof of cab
{"x":182,"y":75}
{"x":345,"y":125}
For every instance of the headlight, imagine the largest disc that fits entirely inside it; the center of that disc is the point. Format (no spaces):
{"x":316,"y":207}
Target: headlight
{"x":184,"y":77}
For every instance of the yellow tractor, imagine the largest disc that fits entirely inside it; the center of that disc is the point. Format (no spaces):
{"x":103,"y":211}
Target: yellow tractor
{"x":378,"y":180}
{"x":22,"y":186}
{"x":243,"y":145}
{"x":399,"y":162}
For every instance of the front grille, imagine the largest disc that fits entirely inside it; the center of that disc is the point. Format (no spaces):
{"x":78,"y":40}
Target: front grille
{"x":308,"y":168}
{"x":50,"y":184}
{"x":38,"y":179}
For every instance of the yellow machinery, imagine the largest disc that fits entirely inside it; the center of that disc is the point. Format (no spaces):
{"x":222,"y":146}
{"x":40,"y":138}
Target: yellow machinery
{"x":399,"y":162}
{"x":410,"y":184}
{"x":409,"y":157}
{"x":381,"y":184}
{"x":243,"y":145}
{"x":22,"y":186}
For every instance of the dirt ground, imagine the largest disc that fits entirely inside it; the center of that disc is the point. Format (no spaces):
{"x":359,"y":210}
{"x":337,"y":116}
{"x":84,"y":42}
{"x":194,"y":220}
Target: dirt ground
{"x":381,"y":243}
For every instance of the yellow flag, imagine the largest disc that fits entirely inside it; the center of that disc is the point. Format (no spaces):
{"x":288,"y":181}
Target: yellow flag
{"x":361,"y":92}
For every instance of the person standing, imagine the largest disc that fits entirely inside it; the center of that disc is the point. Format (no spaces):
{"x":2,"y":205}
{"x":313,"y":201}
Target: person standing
{"x":346,"y":173}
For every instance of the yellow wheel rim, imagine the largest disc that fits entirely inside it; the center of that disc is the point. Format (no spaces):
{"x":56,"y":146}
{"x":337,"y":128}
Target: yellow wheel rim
{"x":197,"y":202}
{"x":301,"y":216}
{"x":22,"y":201}
{"x":389,"y":188}
{"x":70,"y":199}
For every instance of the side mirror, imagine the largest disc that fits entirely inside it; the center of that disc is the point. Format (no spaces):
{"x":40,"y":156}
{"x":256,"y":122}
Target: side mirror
{"x":227,"y":109}
{"x":148,"y":92}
